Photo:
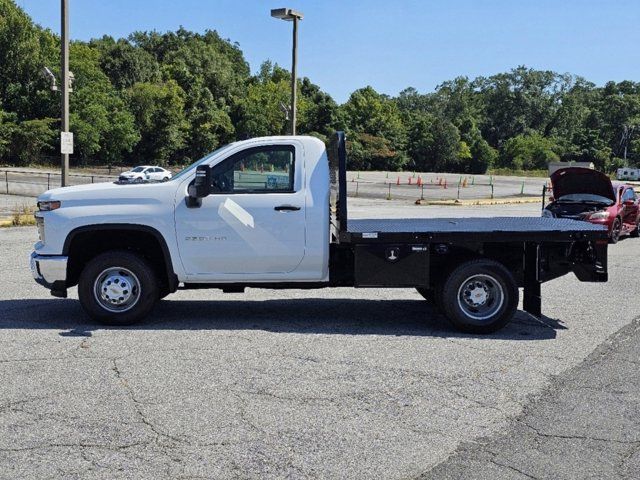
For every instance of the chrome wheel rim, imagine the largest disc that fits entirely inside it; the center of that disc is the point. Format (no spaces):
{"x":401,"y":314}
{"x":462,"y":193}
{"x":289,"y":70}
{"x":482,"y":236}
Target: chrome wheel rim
{"x":117,"y":289}
{"x":480,"y":297}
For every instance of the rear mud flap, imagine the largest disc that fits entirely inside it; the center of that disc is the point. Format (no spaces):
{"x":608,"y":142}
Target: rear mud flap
{"x":532,"y":301}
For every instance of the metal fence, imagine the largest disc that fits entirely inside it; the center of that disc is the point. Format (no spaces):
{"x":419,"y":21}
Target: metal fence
{"x":32,"y":183}
{"x":444,"y":188}
{"x":408,"y":187}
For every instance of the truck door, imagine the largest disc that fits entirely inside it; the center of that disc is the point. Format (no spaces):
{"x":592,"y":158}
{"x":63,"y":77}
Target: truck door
{"x":629,"y":212}
{"x":253,"y":224}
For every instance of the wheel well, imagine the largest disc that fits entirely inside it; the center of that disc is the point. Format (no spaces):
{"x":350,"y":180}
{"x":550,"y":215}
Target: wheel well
{"x":509,"y":254}
{"x":86,"y":243}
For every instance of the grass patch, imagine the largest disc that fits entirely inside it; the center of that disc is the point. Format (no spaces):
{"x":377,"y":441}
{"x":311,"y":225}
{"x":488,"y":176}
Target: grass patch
{"x":508,"y":172}
{"x":20,"y":217}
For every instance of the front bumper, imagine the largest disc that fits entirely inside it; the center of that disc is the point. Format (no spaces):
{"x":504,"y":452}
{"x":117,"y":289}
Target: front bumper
{"x":50,"y":271}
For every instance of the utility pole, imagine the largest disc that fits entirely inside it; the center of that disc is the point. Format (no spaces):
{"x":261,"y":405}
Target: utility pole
{"x":64,"y":118}
{"x":291,"y":15}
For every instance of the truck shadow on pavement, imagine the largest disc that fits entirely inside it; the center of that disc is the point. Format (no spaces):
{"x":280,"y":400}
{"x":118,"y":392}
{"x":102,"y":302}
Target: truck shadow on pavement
{"x":306,"y":316}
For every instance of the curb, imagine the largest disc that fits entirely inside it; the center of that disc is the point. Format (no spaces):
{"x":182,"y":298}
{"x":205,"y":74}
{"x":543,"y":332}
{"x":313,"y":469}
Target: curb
{"x":478,"y":202}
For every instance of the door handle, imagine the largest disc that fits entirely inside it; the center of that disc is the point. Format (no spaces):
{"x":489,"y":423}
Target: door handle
{"x":286,"y":208}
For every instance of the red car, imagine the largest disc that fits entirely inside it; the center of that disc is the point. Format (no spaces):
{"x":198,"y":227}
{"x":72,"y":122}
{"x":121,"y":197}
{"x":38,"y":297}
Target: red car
{"x":585,"y":194}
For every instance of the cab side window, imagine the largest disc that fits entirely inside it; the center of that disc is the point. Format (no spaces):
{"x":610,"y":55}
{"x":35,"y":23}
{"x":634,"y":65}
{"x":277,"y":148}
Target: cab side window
{"x":257,"y":170}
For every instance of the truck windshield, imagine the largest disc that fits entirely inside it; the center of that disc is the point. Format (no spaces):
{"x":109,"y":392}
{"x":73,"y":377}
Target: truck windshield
{"x":191,"y":167}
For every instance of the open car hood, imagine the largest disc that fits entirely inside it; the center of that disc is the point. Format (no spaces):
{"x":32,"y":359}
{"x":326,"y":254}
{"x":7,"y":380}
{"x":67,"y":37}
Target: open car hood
{"x":576,"y":180}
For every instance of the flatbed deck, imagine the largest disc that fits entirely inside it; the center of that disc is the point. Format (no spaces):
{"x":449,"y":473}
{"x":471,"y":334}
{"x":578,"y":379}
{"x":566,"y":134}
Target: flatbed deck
{"x":502,"y":228}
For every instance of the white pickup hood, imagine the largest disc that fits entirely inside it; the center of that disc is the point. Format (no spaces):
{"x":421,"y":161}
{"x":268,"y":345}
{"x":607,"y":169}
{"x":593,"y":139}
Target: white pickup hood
{"x":110,"y":193}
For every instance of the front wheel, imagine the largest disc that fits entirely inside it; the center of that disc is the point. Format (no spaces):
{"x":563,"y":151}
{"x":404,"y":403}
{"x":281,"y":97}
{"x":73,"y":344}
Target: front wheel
{"x":118,"y":288}
{"x":480,"y":296}
{"x":616,"y":228}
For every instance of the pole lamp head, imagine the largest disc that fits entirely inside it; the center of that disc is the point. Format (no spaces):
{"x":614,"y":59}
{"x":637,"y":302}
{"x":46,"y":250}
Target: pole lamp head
{"x":47,"y":73}
{"x":287,"y":14}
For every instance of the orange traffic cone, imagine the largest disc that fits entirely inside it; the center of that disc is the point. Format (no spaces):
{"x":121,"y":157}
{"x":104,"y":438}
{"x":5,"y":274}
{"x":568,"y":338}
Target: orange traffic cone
{"x":398,"y":181}
{"x":445,"y":184}
{"x":419,"y":181}
{"x":409,"y":180}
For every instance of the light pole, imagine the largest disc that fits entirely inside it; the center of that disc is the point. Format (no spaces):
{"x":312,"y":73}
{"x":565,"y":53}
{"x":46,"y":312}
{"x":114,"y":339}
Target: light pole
{"x":291,"y":15}
{"x":64,"y":123}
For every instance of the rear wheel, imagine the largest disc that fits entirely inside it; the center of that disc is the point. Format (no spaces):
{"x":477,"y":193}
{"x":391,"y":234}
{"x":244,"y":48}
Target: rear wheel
{"x":118,"y":288}
{"x":480,"y":296}
{"x":636,"y":231}
{"x":616,"y":228}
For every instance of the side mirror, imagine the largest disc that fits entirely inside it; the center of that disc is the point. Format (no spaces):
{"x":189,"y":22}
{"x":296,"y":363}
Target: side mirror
{"x":201,"y":186}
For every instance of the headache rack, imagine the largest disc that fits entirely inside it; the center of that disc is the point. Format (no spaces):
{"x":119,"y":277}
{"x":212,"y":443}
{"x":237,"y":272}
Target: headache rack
{"x":337,"y":155}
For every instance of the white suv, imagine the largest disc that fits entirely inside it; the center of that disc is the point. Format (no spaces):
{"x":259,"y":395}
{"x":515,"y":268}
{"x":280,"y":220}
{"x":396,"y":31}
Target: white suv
{"x":145,"y":173}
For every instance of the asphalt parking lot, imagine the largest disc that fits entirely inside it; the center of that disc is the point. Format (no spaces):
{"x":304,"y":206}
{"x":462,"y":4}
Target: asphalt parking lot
{"x":337,"y":383}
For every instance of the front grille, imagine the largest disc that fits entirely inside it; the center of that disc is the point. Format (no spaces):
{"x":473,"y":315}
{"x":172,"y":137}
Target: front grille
{"x":40,"y":225}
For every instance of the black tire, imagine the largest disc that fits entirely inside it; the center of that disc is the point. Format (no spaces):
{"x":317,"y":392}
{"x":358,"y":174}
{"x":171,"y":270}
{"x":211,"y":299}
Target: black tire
{"x":127,"y":270}
{"x":616,"y":228}
{"x":138,"y":180}
{"x":635,"y":233}
{"x":487,"y":282}
{"x":165,"y":179}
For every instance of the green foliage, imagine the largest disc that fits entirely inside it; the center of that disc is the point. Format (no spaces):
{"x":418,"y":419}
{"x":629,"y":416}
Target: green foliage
{"x":367,"y":111}
{"x":528,"y":152}
{"x":158,"y":109}
{"x":434,"y":144}
{"x":172,"y":97}
{"x":32,"y":138}
{"x":124,"y":64}
{"x":103,"y":126}
{"x":368,"y":152}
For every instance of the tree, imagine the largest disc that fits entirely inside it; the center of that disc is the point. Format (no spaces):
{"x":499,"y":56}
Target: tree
{"x":31,"y":139}
{"x":434,"y":144}
{"x":103,"y":126}
{"x":368,"y":112}
{"x":209,"y":124}
{"x":124,"y":64}
{"x":527,"y":152}
{"x":368,"y":152}
{"x":24,"y":50}
{"x":158,"y":109}
{"x":520,"y":101}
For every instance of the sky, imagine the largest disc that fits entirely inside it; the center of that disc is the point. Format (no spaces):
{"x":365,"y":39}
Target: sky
{"x":389,"y":45}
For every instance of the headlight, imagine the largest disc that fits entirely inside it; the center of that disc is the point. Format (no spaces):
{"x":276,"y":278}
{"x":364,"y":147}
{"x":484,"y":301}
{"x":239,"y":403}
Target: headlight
{"x":547,"y":213}
{"x":48,"y":206}
{"x":599,"y":215}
